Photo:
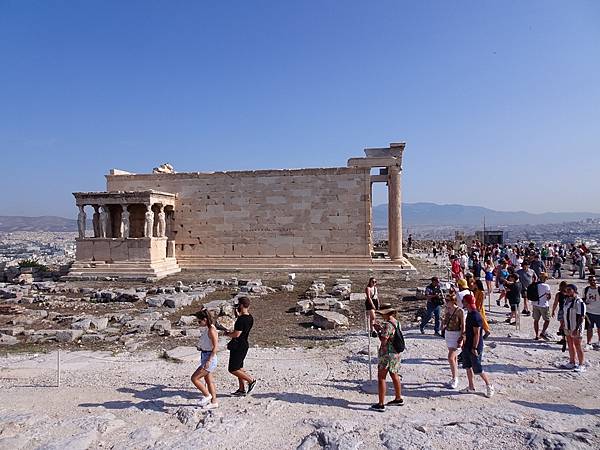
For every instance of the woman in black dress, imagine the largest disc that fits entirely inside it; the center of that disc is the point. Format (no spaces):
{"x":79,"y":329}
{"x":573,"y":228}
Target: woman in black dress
{"x":238,"y":347}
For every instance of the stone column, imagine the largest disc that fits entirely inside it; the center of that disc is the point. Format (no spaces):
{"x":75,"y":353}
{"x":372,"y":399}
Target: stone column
{"x":124,"y":222}
{"x":96,"y":221}
{"x":394,"y":214}
{"x":104,"y":221}
{"x":81,"y":218}
{"x":149,"y":221}
{"x":161,"y":226}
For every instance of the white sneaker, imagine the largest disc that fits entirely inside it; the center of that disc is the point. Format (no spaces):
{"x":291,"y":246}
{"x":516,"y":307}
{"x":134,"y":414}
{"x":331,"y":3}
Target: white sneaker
{"x":467,"y":390}
{"x":580,"y":369}
{"x":490,"y":390}
{"x":453,"y":383}
{"x":568,"y":366}
{"x":588,"y":347}
{"x":211,"y":406}
{"x":205,"y":400}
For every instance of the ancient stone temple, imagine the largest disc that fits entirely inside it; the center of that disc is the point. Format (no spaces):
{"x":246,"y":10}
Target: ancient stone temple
{"x":153,"y":225}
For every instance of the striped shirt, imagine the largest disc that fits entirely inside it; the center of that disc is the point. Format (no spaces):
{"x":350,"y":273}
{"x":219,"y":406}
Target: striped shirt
{"x":572,"y":308}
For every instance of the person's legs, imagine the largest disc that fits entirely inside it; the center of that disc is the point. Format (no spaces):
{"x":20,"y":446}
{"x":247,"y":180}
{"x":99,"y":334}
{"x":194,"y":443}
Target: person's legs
{"x":242,"y":376}
{"x":485,"y":378}
{"x":425,"y":320}
{"x":210,"y":384}
{"x":545,"y":327}
{"x":371,"y":314}
{"x":397,"y":385}
{"x":571,"y":347}
{"x":536,"y":328}
{"x":197,"y":381}
{"x":437,"y":311}
{"x":452,"y":360}
{"x":578,"y":345}
{"x":470,"y":378}
{"x":381,"y":385}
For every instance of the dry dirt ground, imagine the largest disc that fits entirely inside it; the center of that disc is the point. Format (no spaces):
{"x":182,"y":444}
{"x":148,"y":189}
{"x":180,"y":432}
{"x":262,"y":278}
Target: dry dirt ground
{"x":307,"y":398}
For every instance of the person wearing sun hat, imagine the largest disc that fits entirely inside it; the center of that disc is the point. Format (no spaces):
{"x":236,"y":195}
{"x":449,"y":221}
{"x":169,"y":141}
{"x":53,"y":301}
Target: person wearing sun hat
{"x":472,"y":348}
{"x":463,"y":289}
{"x":389,"y":359}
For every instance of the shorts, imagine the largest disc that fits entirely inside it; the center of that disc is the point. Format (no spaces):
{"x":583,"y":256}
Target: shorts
{"x":560,"y":316}
{"x":489,"y":276}
{"x":470,"y":361}
{"x":592,"y":320}
{"x":514,"y":306}
{"x":213,"y":363}
{"x":236,"y":359}
{"x":452,"y":339}
{"x":541,"y":312}
{"x":368,"y":305}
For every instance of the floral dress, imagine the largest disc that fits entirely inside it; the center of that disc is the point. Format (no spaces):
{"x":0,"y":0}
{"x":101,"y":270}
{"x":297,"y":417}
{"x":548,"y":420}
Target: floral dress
{"x":388,"y":358}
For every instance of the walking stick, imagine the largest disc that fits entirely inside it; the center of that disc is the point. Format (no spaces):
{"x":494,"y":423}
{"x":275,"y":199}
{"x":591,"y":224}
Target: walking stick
{"x":368,"y":328}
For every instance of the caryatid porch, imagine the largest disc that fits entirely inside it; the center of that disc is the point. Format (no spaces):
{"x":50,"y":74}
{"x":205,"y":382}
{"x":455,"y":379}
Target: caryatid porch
{"x":131,"y":233}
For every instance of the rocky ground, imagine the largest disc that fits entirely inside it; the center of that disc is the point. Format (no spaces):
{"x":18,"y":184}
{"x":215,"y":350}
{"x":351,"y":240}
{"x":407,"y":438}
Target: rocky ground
{"x":310,"y":393}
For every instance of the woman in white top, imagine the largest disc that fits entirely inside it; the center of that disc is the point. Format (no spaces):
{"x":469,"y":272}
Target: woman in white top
{"x":207,"y":344}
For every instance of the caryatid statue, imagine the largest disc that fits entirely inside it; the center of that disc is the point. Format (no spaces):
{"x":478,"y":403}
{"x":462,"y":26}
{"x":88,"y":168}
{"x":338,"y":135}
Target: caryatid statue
{"x":96,"y":221}
{"x":125,"y":222}
{"x":81,"y":219}
{"x":104,"y":221}
{"x":162,"y":222}
{"x":149,"y":221}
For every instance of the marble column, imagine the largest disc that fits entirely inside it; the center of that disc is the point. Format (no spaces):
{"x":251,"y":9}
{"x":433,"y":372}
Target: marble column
{"x":81,"y":219}
{"x":125,"y":222}
{"x":149,"y":222}
{"x":394,"y":214}
{"x":96,"y":221}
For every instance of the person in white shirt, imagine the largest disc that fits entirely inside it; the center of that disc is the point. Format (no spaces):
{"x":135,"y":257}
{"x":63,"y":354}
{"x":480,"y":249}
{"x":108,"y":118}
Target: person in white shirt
{"x":574,"y":311}
{"x":591,"y":297}
{"x":541,"y":308}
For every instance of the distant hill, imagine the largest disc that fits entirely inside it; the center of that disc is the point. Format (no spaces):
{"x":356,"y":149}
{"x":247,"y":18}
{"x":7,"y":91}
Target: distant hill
{"x":43,"y":223}
{"x":434,"y":214}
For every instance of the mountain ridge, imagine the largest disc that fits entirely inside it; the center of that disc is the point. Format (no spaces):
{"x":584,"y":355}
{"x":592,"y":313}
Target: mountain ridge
{"x":428,"y":213}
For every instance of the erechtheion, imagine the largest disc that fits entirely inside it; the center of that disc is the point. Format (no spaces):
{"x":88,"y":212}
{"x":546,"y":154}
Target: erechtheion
{"x":153,"y":225}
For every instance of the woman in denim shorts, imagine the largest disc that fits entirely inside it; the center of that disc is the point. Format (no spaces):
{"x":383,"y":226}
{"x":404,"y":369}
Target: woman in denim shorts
{"x":207,"y":344}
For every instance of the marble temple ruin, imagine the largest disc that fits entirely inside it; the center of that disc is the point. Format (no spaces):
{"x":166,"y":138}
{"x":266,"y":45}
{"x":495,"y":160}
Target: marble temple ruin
{"x":152,"y":225}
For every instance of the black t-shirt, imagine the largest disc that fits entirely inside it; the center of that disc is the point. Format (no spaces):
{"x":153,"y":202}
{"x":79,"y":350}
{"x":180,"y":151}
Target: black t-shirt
{"x":474,"y":319}
{"x":513,"y":292}
{"x":244,"y":324}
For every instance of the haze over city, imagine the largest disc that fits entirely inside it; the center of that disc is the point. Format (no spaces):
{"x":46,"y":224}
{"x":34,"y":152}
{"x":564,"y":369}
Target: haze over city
{"x":497,"y":101}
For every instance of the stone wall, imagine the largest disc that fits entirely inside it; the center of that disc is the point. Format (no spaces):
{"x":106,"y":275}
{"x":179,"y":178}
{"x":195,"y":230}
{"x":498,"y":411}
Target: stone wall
{"x":284,"y":213}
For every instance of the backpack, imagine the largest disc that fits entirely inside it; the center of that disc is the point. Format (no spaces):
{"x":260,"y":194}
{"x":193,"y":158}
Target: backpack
{"x":532,"y":292}
{"x":398,"y":340}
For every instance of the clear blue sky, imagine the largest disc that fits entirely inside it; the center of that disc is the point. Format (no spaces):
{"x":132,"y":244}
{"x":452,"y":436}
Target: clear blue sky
{"x":498,"y":101}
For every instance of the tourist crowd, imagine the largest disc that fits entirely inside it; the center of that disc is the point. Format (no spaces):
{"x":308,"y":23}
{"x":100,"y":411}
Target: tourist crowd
{"x":518,"y":273}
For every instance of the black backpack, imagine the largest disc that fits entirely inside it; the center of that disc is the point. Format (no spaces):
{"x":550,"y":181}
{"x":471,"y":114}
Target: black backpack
{"x":398,"y":340}
{"x":532,"y":292}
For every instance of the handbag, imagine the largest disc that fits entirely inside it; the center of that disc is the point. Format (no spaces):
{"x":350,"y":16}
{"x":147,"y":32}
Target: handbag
{"x":233,"y":344}
{"x":447,"y":322}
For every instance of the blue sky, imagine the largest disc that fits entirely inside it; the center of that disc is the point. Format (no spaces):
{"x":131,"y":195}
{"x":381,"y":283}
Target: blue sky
{"x":498,"y":101}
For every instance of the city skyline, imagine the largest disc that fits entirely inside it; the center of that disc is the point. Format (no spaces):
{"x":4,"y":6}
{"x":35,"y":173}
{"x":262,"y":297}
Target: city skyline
{"x":498,"y":102}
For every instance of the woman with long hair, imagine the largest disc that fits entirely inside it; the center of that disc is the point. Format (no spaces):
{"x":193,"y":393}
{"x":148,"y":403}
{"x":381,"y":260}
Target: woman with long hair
{"x":559,"y":302}
{"x":389,"y":359}
{"x":453,"y":329}
{"x":207,"y":344}
{"x":372,"y":302}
